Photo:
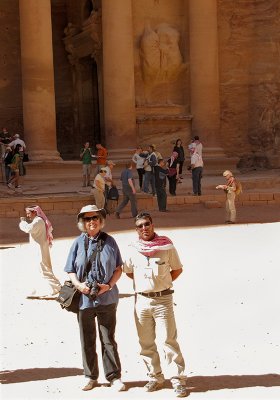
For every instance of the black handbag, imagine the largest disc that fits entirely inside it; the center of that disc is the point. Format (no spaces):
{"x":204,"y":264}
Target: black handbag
{"x":113,"y":193}
{"x":25,"y":157}
{"x":69,"y":296}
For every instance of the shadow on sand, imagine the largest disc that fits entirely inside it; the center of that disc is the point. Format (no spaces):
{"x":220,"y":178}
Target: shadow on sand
{"x":194,"y":384}
{"x":37,"y":374}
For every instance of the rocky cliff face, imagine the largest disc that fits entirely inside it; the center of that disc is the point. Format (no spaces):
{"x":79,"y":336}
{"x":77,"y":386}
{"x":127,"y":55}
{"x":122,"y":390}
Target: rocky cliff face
{"x":249,"y":71}
{"x":249,"y":54}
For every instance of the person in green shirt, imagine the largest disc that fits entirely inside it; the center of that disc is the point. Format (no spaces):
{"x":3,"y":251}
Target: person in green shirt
{"x":86,"y":156}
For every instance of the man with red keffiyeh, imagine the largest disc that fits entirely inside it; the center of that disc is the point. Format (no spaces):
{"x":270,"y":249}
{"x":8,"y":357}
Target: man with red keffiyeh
{"x":40,"y":238}
{"x":154,"y":264}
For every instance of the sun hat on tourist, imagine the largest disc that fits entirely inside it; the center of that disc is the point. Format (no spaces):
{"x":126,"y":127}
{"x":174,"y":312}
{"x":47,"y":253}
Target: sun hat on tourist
{"x":91,"y":208}
{"x":227,"y":172}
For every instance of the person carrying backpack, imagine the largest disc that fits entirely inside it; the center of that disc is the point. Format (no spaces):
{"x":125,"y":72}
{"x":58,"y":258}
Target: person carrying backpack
{"x":149,"y":164}
{"x":231,"y":188}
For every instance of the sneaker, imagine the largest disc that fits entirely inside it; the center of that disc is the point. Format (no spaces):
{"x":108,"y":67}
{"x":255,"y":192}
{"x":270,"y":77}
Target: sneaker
{"x":118,"y":385}
{"x":117,"y":215}
{"x":152,"y":386}
{"x":92,"y":383}
{"x":18,"y":186}
{"x":181,"y":391}
{"x":10,"y":186}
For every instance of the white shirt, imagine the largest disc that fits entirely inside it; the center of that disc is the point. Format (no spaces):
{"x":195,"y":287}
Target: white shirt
{"x":152,"y":274}
{"x":139,"y":161}
{"x":101,"y":181}
{"x":18,"y":141}
{"x":108,"y":175}
{"x":199,"y":148}
{"x":196,"y":160}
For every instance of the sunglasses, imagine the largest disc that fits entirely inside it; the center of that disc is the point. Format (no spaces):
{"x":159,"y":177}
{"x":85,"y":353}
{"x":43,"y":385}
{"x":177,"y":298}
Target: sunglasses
{"x":102,"y":170}
{"x":145,"y":224}
{"x":93,"y":218}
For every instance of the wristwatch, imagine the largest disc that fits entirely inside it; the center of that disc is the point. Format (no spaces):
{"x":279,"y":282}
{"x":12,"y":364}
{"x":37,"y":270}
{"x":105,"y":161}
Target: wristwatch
{"x":110,"y":287}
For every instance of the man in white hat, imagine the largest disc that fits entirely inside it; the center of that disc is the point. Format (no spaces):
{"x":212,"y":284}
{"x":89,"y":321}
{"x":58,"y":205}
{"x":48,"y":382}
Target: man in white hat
{"x":230,"y":189}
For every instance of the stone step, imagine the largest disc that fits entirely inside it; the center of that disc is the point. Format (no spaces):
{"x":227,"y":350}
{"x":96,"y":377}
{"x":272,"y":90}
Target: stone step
{"x":70,"y":204}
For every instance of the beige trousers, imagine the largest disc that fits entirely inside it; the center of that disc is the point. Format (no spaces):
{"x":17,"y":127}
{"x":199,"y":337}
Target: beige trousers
{"x":99,"y":198}
{"x":230,"y":207}
{"x":155,"y":321}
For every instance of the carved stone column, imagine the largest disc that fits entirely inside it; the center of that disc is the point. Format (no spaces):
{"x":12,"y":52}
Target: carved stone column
{"x":118,"y":75}
{"x":38,"y":79}
{"x":205,"y":103}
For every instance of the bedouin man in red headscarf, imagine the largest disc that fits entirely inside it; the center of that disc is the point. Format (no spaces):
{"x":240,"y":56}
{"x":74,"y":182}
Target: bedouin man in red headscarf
{"x":40,"y":237}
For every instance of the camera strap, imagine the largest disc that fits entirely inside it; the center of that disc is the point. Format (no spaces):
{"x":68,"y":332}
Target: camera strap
{"x":94,"y":257}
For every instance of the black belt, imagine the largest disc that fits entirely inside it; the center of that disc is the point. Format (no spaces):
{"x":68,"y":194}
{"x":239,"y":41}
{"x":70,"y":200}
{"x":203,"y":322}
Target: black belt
{"x":157,"y":294}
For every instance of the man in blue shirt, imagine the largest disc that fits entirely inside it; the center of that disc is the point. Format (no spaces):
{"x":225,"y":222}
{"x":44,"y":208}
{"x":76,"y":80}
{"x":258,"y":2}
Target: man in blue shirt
{"x":129,"y":191}
{"x":86,"y":266}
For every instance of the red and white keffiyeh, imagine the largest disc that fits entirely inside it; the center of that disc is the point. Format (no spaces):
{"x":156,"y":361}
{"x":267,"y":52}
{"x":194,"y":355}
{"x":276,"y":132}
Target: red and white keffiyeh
{"x":40,"y":213}
{"x":149,"y":248}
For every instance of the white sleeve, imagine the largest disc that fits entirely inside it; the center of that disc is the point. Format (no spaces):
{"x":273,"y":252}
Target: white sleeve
{"x":33,"y":227}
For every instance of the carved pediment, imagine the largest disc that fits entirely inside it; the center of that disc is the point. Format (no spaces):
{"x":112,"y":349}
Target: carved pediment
{"x":85,"y":42}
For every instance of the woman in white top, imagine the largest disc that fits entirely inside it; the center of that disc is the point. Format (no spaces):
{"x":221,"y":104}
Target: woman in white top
{"x":139,"y":161}
{"x":99,"y":188}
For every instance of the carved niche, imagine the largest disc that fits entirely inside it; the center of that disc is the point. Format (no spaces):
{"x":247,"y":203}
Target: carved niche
{"x":160,"y":59}
{"x":84,"y":41}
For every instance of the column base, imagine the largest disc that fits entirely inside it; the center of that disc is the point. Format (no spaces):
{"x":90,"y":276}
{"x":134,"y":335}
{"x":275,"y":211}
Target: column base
{"x":44,"y":155}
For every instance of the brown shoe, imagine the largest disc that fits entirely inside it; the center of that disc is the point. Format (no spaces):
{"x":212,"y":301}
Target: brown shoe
{"x":152,"y":386}
{"x":92,"y":383}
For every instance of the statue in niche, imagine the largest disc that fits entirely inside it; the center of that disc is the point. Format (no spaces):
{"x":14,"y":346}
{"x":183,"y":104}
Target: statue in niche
{"x":161,"y":59}
{"x":270,"y":119}
{"x":94,"y":18}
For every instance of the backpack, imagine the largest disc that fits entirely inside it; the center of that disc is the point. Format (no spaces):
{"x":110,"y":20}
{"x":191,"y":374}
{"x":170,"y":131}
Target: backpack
{"x":238,"y":187}
{"x":113,"y":193}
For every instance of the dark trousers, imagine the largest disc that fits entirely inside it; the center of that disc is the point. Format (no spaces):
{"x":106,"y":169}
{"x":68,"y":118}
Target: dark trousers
{"x":172,"y":184}
{"x":181,"y":163}
{"x":128,"y":195}
{"x":106,"y":319}
{"x":149,"y":178}
{"x":141,"y":173}
{"x":196,"y":178}
{"x":161,"y":197}
{"x":7,"y":173}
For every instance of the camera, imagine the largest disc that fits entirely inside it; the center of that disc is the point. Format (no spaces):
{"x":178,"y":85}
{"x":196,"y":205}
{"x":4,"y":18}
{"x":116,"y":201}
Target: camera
{"x":94,"y":289}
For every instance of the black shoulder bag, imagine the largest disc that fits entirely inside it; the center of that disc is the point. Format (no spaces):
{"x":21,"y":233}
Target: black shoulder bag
{"x":69,"y":296}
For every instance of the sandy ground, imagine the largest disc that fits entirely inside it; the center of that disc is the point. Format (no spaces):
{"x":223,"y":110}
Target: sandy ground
{"x":226,"y":304}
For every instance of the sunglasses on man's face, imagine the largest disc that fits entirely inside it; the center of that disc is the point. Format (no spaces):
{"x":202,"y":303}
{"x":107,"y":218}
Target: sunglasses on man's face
{"x":93,"y":218}
{"x":145,"y":224}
